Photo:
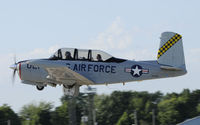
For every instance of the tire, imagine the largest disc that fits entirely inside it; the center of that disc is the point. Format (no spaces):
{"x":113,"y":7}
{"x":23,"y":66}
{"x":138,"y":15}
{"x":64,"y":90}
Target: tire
{"x":40,"y":88}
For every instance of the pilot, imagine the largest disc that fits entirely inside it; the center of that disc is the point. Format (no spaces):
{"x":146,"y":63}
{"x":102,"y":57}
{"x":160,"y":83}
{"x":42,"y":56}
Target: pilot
{"x":68,"y":55}
{"x":99,"y":57}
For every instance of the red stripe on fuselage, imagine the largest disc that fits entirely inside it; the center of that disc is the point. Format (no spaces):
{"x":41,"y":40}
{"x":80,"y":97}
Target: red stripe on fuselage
{"x":20,"y":70}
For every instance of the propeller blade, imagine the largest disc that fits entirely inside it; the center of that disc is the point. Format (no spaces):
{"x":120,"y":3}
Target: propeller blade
{"x":13,"y":76}
{"x":14,"y":67}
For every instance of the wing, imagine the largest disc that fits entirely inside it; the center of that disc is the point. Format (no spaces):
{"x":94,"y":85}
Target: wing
{"x":61,"y":74}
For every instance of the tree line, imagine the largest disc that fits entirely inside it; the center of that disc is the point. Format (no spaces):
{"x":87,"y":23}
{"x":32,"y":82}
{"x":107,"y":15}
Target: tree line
{"x":118,"y":108}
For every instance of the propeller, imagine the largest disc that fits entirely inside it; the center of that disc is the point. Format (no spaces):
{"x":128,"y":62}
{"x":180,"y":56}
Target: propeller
{"x":13,"y":76}
{"x":14,"y":67}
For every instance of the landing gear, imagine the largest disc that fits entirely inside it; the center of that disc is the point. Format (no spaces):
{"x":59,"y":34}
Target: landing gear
{"x":40,"y":88}
{"x":71,"y":90}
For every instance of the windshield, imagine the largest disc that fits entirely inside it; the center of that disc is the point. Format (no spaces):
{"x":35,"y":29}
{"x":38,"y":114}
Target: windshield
{"x":83,"y":54}
{"x":98,"y":55}
{"x":63,"y":53}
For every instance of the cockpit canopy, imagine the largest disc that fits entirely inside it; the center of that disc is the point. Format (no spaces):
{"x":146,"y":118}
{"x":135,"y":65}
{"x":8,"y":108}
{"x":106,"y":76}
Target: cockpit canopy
{"x":84,"y":55}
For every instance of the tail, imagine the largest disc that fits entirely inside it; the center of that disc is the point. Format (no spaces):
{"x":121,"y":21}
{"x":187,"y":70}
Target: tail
{"x":170,"y":54}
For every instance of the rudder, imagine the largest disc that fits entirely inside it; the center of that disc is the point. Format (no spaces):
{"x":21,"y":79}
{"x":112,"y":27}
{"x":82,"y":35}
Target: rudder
{"x":171,"y":51}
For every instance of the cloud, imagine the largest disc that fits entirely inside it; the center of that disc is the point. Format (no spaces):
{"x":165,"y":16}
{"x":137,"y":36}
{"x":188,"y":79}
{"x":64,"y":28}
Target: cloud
{"x":114,"y":37}
{"x":8,"y":59}
{"x":38,"y":53}
{"x":19,"y":91}
{"x":125,"y":42}
{"x":192,"y":55}
{"x":52,"y":49}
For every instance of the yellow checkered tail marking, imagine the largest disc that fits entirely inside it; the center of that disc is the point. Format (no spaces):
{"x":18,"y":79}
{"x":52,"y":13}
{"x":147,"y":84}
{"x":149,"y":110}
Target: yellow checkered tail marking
{"x":168,"y":45}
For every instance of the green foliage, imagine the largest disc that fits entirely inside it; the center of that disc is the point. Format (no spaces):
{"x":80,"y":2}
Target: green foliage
{"x":123,"y":119}
{"x":167,"y":111}
{"x":6,"y":113}
{"x":198,"y":108}
{"x":115,"y":109}
{"x":112,"y":107}
{"x":60,"y":115}
{"x":33,"y":114}
{"x":175,"y":108}
{"x":77,"y":106}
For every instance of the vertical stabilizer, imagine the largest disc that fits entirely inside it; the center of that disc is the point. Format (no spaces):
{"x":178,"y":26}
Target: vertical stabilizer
{"x":171,"y":52}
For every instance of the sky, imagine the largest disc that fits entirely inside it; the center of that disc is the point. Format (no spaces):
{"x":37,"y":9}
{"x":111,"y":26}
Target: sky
{"x":127,"y":29}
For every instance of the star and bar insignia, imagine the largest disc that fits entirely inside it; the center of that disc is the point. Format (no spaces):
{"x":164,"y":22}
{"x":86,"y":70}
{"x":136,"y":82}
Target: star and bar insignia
{"x":136,"y":70}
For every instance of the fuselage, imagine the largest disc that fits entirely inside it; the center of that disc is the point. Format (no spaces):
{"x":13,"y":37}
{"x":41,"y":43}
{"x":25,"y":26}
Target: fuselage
{"x":100,"y":72}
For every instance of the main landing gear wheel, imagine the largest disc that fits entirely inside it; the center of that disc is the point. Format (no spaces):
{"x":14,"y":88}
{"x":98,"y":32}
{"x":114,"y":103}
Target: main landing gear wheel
{"x":40,"y":88}
{"x":71,"y":90}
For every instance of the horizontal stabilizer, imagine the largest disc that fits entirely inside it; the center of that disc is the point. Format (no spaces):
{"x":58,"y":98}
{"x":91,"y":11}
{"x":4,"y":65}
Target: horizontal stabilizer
{"x":170,"y":68}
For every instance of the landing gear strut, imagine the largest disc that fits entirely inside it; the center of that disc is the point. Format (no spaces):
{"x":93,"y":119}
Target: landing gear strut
{"x":71,"y":90}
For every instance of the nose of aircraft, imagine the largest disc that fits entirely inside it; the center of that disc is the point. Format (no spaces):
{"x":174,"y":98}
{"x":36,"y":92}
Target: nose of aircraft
{"x":13,"y":66}
{"x":15,"y":69}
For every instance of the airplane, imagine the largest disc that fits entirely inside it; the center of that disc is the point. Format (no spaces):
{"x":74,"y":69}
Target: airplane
{"x":72,"y":68}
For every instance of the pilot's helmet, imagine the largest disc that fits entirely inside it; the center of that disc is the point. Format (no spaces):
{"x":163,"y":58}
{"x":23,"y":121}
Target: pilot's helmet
{"x":67,"y":54}
{"x":99,"y":57}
